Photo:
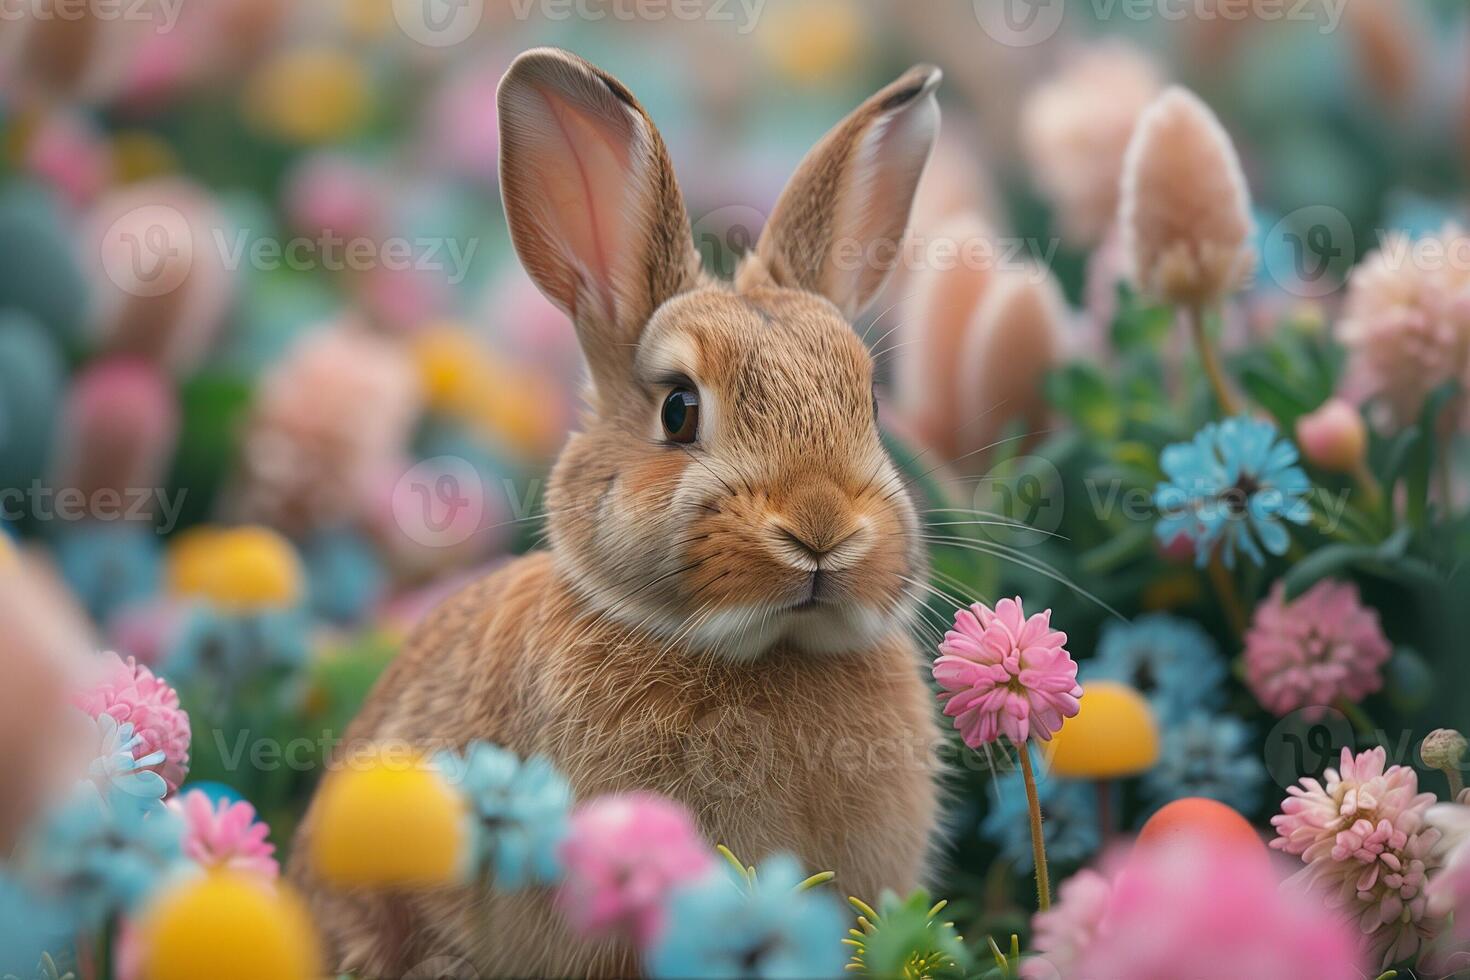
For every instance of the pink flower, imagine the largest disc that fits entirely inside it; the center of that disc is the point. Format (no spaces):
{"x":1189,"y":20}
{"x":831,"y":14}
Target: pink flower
{"x":129,"y":692}
{"x":1308,"y":653}
{"x":1004,"y":674}
{"x":225,"y":835}
{"x":1407,"y":324}
{"x":622,"y":856}
{"x":1367,"y":846}
{"x":1449,"y":889}
{"x":1064,"y":932}
{"x":1333,"y":437}
{"x":1205,"y":913}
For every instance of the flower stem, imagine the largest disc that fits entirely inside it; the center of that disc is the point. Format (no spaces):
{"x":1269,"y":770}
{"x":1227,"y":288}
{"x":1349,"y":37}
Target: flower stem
{"x":1362,"y":724}
{"x":1210,"y":361}
{"x":1103,"y":788}
{"x":1038,"y":843}
{"x":1229,"y":597}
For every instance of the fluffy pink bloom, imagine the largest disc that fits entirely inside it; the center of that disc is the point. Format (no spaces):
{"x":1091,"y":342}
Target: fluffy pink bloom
{"x":225,"y":835}
{"x":1308,"y":653}
{"x":1207,"y":913}
{"x":622,"y":856}
{"x":128,"y":691}
{"x":1363,"y":836}
{"x":1333,"y":437}
{"x":1063,"y":933}
{"x":1407,"y":323}
{"x":1004,"y":674}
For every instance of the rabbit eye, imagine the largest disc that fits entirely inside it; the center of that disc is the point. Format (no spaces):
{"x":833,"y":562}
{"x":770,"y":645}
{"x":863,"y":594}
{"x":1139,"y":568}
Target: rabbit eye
{"x":681,"y":415}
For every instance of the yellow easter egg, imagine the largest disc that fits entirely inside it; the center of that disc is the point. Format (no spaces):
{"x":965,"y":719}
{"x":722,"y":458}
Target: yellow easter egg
{"x":389,"y":820}
{"x":228,"y":926}
{"x":242,"y":568}
{"x":1113,"y":734}
{"x":312,"y":94}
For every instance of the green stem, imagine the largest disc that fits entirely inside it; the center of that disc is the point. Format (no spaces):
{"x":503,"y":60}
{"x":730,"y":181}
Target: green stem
{"x":1038,"y":843}
{"x":1355,"y":714}
{"x":1210,"y":361}
{"x":1229,"y":597}
{"x":1103,"y":788}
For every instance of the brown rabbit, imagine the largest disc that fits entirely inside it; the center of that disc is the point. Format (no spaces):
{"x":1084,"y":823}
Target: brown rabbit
{"x":723,"y":615}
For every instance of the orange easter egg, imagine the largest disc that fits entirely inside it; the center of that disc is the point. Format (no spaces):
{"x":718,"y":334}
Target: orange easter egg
{"x":1194,"y":821}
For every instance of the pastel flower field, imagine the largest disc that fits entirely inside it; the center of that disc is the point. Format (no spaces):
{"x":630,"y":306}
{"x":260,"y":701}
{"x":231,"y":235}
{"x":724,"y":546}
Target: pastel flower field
{"x":787,"y":488}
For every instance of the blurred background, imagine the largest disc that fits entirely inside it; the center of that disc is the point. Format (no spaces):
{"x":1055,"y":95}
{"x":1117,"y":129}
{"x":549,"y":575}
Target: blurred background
{"x":272,"y":381}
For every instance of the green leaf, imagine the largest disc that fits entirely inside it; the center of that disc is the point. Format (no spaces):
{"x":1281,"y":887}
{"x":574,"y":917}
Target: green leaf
{"x":1323,"y":563}
{"x":1082,"y":393}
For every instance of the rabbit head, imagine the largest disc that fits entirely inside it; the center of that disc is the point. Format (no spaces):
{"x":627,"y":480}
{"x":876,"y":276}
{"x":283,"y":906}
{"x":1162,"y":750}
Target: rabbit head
{"x":729,"y":491}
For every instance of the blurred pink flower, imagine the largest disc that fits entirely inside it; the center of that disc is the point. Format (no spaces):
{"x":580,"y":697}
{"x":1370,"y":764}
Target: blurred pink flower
{"x":1062,"y":934}
{"x":1449,"y":888}
{"x":1333,"y":437}
{"x":1308,"y":653}
{"x":1368,"y":848}
{"x":1004,"y":674}
{"x":463,"y":129}
{"x":1207,"y":913}
{"x":333,"y":192}
{"x":70,"y":154}
{"x":1406,"y":324}
{"x":119,"y":428}
{"x":225,"y":835}
{"x":1075,"y":130}
{"x":130,"y":692}
{"x":622,"y":855}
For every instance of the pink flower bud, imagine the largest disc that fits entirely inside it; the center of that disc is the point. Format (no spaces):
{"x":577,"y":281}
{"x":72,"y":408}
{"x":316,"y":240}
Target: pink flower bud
{"x":119,"y":428}
{"x":1333,"y":437}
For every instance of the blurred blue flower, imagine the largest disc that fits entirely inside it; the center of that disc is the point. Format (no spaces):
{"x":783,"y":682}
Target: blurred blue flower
{"x":1069,"y":809}
{"x":223,"y":649}
{"x":520,"y":810}
{"x":1211,"y":757}
{"x":30,"y":924}
{"x":110,"y":565}
{"x":345,"y":574}
{"x":719,"y":928}
{"x":1231,"y":486}
{"x":102,"y":854}
{"x":116,"y":766}
{"x":1171,"y":661}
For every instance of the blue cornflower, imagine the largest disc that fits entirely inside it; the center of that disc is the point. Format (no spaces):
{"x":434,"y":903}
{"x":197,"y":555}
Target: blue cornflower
{"x":520,"y":810}
{"x":31,"y":924}
{"x":1231,"y":486}
{"x":718,"y":927}
{"x":117,"y":767}
{"x":1171,"y":661}
{"x":103,"y":854}
{"x":1070,"y":810}
{"x":1210,"y":756}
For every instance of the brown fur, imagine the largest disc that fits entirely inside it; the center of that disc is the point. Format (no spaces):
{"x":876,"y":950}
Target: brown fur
{"x":659,"y":645}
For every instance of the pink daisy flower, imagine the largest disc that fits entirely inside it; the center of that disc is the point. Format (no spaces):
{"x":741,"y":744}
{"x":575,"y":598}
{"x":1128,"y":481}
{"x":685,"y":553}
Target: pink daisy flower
{"x":225,"y":835}
{"x":1004,"y":674}
{"x":1309,"y":653}
{"x":622,"y":855}
{"x":129,"y":691}
{"x":1363,"y":836}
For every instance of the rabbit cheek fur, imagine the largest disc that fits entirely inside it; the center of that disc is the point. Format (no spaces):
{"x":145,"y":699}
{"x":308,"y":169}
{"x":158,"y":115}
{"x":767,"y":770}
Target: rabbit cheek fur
{"x":724,"y":621}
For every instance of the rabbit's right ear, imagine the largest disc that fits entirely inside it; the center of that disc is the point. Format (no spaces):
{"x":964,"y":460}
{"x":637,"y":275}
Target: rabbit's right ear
{"x":594,"y":211}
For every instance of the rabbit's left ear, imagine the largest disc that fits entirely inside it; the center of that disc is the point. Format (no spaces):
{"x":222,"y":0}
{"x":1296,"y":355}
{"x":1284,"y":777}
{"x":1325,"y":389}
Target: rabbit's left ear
{"x":838,"y":225}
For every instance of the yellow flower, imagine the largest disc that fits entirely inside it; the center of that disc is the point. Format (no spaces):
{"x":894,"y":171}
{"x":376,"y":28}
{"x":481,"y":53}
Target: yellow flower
{"x":138,"y":155}
{"x":817,"y":41}
{"x":228,"y":926}
{"x":312,"y":94}
{"x":1113,"y":734}
{"x":389,"y":819}
{"x":243,"y":568}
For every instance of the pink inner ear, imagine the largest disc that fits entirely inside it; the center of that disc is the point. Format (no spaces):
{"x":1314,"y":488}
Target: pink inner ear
{"x":582,"y":178}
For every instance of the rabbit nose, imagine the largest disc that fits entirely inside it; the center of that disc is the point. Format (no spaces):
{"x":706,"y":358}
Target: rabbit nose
{"x":819,"y":531}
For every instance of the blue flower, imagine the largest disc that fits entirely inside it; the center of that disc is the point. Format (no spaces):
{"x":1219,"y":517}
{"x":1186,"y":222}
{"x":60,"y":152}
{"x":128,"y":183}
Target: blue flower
{"x":1171,"y":661}
{"x":118,"y":767}
{"x":520,"y":811}
{"x":1231,"y":487}
{"x":103,"y":854}
{"x":1211,"y":757}
{"x":1069,"y":811}
{"x":110,"y":565}
{"x":345,"y":574}
{"x":717,"y":927}
{"x":31,"y":924}
{"x":224,"y":650}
